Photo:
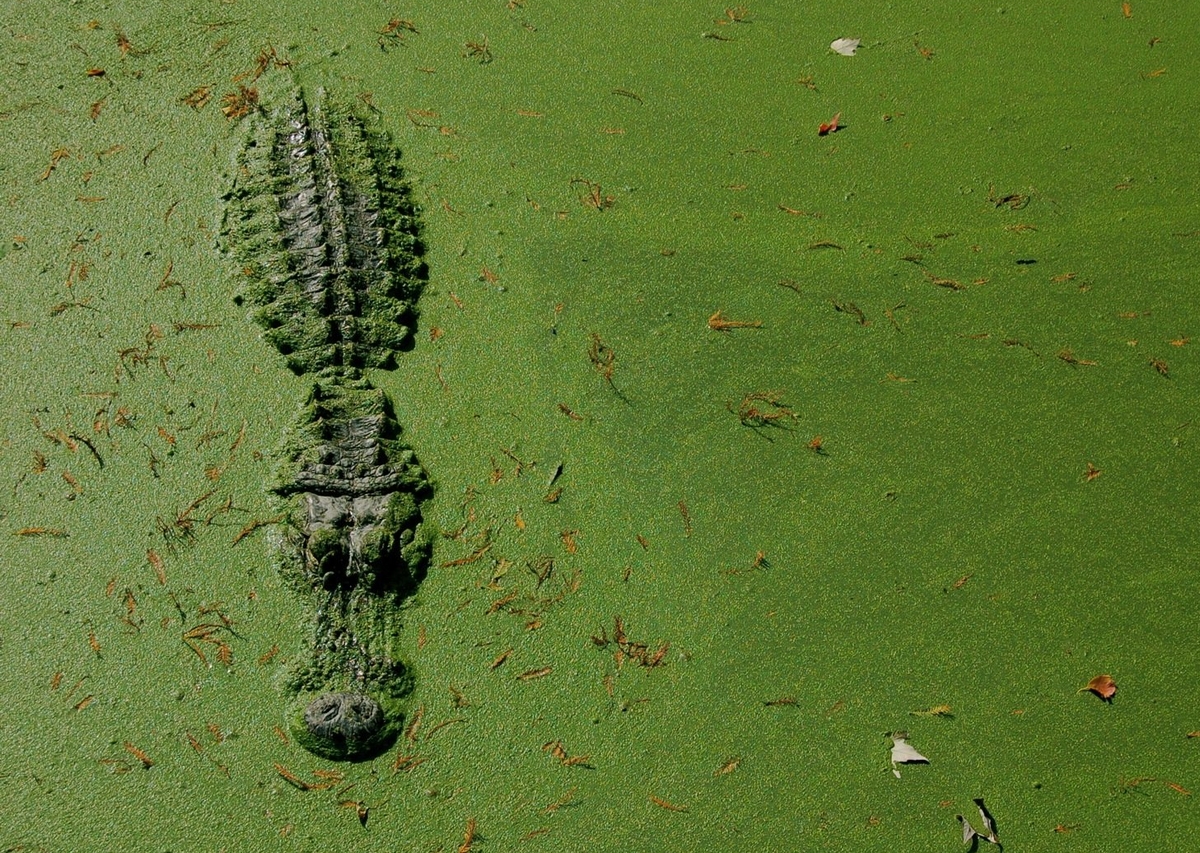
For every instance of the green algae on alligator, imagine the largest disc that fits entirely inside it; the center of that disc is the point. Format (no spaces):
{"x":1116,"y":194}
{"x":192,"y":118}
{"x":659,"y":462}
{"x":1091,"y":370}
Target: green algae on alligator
{"x":320,"y":221}
{"x":320,"y":218}
{"x":354,"y":546}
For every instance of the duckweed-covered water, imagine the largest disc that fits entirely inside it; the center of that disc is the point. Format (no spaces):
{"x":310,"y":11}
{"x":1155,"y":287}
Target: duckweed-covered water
{"x":937,"y":475}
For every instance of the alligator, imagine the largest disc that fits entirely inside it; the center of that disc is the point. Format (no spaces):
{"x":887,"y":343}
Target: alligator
{"x":319,"y":218}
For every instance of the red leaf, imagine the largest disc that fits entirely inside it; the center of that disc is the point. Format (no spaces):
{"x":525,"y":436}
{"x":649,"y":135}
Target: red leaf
{"x":831,"y":127}
{"x":1103,"y":686}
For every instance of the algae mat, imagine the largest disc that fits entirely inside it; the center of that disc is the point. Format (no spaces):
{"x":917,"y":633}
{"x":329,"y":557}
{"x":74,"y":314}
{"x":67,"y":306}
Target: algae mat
{"x":688,"y":577}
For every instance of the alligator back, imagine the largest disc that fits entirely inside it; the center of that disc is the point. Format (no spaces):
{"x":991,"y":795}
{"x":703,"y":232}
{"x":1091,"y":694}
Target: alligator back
{"x":320,"y":219}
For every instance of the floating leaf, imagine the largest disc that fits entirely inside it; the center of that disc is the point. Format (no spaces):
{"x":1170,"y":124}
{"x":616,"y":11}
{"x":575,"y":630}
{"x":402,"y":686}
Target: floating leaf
{"x":1103,"y":686}
{"x":831,"y":127}
{"x":844,"y":46}
{"x":902,"y":753}
{"x":967,"y":829}
{"x":989,"y":826}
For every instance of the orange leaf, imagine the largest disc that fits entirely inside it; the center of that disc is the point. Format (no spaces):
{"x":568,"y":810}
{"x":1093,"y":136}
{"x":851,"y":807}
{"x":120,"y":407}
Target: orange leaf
{"x":1103,"y":686}
{"x":831,"y":127}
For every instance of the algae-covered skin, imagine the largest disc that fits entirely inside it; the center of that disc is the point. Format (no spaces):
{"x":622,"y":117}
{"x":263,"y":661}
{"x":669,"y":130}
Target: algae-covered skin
{"x":353,"y":543}
{"x":320,"y":221}
{"x":356,"y":485}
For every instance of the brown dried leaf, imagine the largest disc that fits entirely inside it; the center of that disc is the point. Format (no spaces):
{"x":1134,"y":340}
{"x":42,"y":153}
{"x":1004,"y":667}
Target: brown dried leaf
{"x":1103,"y":686}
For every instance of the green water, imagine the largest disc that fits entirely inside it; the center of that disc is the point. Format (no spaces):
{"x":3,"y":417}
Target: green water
{"x":956,"y":431}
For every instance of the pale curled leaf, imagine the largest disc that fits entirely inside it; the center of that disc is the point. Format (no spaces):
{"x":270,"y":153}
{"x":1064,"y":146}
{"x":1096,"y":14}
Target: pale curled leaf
{"x":845,"y":46}
{"x":969,"y":832}
{"x":988,"y":824}
{"x":902,"y":753}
